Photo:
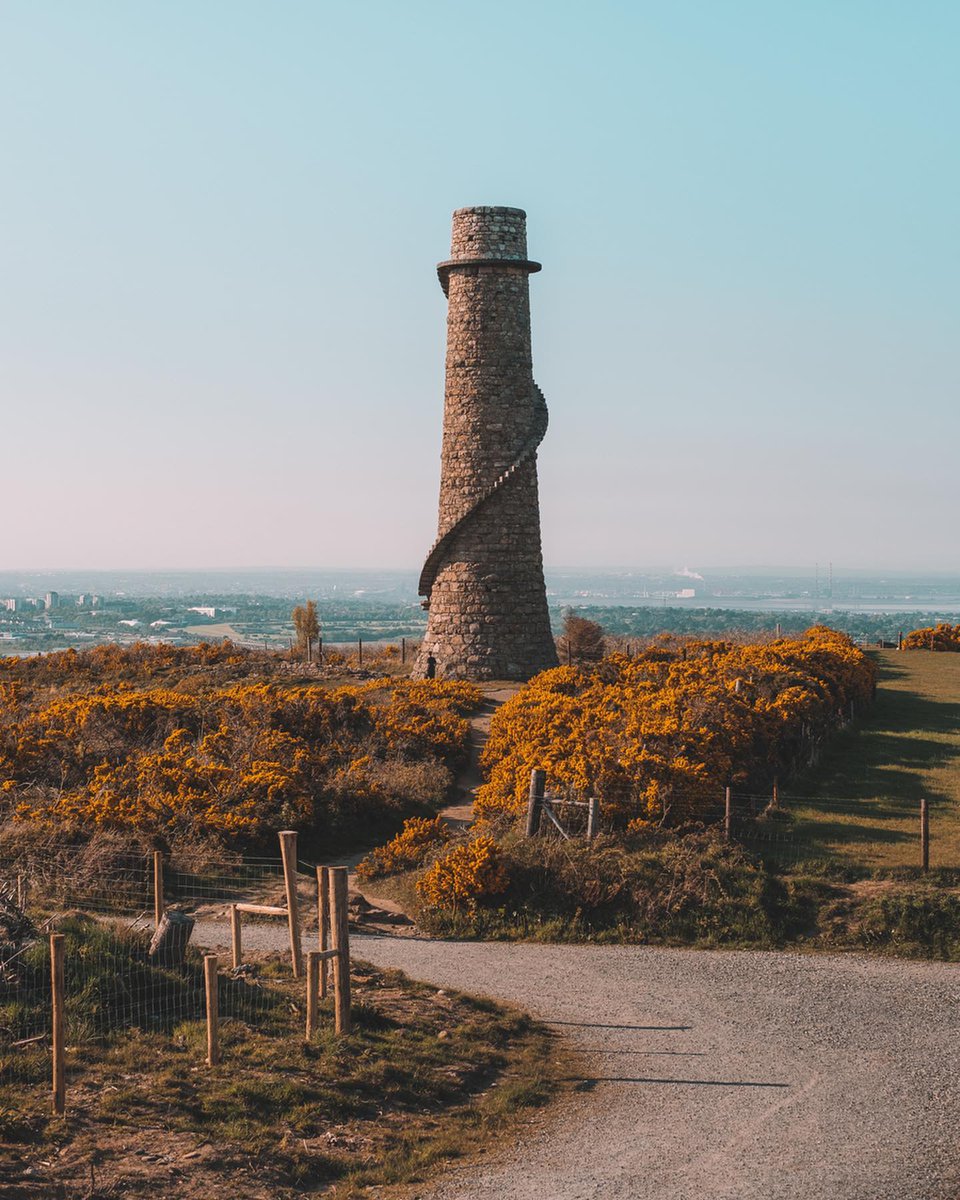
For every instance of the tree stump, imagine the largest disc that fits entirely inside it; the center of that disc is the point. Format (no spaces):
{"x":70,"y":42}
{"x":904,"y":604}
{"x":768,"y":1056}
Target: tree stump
{"x":168,"y":945}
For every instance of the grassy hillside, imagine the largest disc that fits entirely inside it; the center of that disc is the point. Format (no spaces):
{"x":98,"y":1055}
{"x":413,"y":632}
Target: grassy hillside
{"x":866,"y":789}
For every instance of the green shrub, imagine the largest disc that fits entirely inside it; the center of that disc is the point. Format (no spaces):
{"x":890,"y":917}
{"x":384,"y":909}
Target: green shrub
{"x":920,"y":923}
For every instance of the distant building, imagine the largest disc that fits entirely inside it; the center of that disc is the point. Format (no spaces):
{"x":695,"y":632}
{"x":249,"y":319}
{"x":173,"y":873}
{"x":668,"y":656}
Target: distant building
{"x":131,"y":621}
{"x":52,"y":600}
{"x":206,"y":610}
{"x":13,"y":604}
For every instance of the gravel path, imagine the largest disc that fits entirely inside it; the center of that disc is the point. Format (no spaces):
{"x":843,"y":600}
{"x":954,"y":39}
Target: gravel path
{"x":715,"y":1076}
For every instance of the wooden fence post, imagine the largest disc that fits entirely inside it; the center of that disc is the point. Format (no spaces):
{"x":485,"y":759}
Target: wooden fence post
{"x":288,"y":852}
{"x":593,"y":818}
{"x":924,"y":835}
{"x":236,"y":945}
{"x":157,"y":887}
{"x":538,"y":783}
{"x":57,"y":1001}
{"x":323,"y":923}
{"x":775,"y":798}
{"x":21,"y":892}
{"x":210,"y":968}
{"x":313,"y":990}
{"x":359,"y":652}
{"x":727,"y":813}
{"x":340,"y":931}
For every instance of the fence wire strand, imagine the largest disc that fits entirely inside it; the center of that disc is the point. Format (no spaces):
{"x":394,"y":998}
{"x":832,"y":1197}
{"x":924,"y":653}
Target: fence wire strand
{"x":113,"y":983}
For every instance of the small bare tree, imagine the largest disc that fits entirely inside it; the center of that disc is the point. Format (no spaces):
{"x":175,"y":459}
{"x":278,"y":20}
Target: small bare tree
{"x":581,"y":640}
{"x":307,"y":627}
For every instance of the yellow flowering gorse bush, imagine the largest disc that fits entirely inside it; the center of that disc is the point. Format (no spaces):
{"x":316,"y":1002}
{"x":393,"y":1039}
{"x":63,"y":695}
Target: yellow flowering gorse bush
{"x":467,"y":873}
{"x":238,"y":761}
{"x":407,"y":850}
{"x":934,"y":637}
{"x":665,"y":731}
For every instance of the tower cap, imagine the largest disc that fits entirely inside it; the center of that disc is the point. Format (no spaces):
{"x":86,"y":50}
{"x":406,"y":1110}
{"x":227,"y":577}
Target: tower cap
{"x":487,"y":236}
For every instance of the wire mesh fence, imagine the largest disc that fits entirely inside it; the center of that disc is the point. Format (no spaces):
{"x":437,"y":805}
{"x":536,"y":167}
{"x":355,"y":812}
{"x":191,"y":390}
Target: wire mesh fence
{"x":121,"y":971}
{"x":25,"y":1006}
{"x":220,"y":882}
{"x":108,"y":882}
{"x":865,"y":834}
{"x":81,"y":877}
{"x":789,"y":830}
{"x":112,"y":983}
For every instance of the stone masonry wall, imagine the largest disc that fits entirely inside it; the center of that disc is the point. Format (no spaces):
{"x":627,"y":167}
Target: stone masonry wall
{"x":487,"y":603}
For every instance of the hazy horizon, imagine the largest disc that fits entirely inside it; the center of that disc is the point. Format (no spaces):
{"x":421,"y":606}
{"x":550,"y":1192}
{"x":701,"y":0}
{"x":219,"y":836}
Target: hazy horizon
{"x":796,"y":570}
{"x":872,"y":569}
{"x":810,"y":583}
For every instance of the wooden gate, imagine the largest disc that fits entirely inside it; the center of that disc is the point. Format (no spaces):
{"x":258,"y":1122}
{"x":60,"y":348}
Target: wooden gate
{"x":552,"y":805}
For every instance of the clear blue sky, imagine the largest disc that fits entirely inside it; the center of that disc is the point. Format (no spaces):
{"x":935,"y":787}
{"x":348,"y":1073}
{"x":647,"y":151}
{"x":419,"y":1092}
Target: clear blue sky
{"x":221,"y":334}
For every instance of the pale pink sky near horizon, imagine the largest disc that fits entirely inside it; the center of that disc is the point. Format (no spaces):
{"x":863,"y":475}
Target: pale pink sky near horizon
{"x":222,"y":338}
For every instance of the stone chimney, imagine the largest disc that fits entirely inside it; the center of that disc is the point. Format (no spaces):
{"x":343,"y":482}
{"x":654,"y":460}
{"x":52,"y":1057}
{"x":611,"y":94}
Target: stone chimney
{"x":483,"y":579}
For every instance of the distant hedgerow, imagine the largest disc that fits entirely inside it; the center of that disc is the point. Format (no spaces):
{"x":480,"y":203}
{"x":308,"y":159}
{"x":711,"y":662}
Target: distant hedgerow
{"x":934,"y":637}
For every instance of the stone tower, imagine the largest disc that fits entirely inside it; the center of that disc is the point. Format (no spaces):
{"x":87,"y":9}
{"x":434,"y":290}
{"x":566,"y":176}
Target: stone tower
{"x":483,"y":579}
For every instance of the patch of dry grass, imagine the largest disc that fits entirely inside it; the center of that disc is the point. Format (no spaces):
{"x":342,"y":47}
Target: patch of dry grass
{"x":427,"y":1075}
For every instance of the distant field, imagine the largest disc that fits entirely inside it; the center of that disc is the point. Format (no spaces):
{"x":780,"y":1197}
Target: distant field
{"x":213,"y":631}
{"x":865,"y":793}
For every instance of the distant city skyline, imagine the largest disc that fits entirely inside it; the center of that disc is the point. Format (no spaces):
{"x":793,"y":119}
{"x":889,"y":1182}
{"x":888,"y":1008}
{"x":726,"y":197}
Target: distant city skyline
{"x":811,"y":571}
{"x":221,"y":336}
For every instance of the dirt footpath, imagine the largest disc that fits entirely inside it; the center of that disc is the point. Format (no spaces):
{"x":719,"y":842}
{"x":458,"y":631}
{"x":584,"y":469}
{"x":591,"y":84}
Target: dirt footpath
{"x":717,"y":1076}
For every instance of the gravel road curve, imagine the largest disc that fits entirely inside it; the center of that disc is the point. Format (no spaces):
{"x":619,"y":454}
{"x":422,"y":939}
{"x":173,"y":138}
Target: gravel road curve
{"x":714,"y":1075}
